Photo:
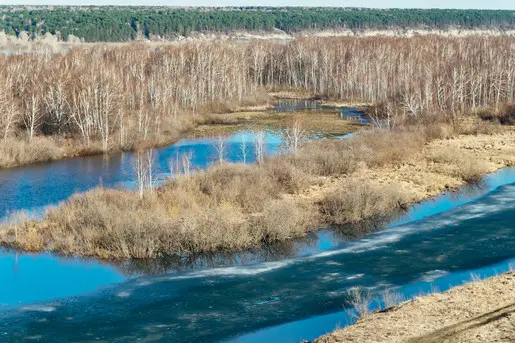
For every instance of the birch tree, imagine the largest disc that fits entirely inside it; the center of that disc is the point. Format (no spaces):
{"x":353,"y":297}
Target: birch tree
{"x":32,"y":116}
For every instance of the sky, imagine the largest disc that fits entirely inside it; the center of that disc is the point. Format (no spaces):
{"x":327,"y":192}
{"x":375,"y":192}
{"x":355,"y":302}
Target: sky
{"x":483,"y":4}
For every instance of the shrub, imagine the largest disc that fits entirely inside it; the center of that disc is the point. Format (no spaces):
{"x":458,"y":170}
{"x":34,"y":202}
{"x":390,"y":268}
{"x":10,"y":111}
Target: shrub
{"x":282,"y":220}
{"x":458,"y":164}
{"x":360,"y":199}
{"x":326,"y":158}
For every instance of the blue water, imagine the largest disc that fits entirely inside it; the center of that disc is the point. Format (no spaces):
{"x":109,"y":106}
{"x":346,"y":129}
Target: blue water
{"x":29,"y":278}
{"x":317,"y":326}
{"x":33,"y":188}
{"x":292,"y":292}
{"x":300,"y":297}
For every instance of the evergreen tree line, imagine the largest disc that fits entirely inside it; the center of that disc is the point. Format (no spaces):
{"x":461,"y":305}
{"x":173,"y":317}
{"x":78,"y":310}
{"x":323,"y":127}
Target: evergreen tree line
{"x":128,"y":23}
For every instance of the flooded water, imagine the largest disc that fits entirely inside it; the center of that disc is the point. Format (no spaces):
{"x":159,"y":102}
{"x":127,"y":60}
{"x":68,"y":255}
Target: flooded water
{"x":346,"y":113}
{"x":438,"y":244}
{"x":33,"y":188}
{"x":290,"y":292}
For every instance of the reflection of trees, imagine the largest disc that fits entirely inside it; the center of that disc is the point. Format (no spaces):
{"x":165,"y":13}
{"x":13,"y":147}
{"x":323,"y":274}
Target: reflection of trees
{"x":469,"y":190}
{"x":171,"y":263}
{"x":357,"y":230}
{"x":268,"y":253}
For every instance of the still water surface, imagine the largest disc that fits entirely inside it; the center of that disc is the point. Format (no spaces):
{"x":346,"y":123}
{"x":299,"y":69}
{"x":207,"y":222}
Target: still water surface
{"x":438,"y":243}
{"x":293,"y":292}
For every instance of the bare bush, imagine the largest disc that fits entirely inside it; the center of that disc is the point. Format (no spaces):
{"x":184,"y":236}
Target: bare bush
{"x":360,"y":299}
{"x":391,"y":299}
{"x":294,"y":135}
{"x":360,"y":199}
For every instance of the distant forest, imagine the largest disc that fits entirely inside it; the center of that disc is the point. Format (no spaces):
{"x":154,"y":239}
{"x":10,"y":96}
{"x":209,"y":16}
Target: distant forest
{"x":128,"y":23}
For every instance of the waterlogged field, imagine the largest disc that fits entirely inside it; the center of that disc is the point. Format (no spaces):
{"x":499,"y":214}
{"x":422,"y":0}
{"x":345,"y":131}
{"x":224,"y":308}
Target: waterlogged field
{"x":438,"y":128}
{"x":34,"y":187}
{"x":230,"y":303}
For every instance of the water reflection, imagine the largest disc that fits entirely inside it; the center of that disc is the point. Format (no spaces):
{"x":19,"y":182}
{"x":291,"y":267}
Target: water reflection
{"x":230,"y":303}
{"x":59,"y":277}
{"x":346,"y":113}
{"x":32,"y":188}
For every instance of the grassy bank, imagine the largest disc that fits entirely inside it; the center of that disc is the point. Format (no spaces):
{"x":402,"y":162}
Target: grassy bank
{"x":15,"y":152}
{"x":238,"y":207}
{"x":116,"y":97}
{"x":479,"y":312}
{"x":317,"y":123}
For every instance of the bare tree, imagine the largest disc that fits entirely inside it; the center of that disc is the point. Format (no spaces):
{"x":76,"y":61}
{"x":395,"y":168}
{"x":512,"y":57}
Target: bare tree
{"x":186,"y":162}
{"x":137,"y":95}
{"x":32,"y":116}
{"x":56,"y":107}
{"x":220,"y":145}
{"x":8,"y":117}
{"x":144,"y":171}
{"x":294,"y":136}
{"x":259,"y":145}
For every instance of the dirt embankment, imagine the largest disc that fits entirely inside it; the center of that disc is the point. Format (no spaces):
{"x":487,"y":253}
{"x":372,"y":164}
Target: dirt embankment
{"x":479,"y":312}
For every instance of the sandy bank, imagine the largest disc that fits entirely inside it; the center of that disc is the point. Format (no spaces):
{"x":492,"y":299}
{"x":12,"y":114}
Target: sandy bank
{"x":478,"y":312}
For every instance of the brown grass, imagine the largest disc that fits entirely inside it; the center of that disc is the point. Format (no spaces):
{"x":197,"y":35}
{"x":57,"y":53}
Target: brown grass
{"x":478,"y":312}
{"x":356,"y":201}
{"x":230,"y":207}
{"x":325,"y":123}
{"x":458,"y":164}
{"x":18,"y":151}
{"x":236,"y":207}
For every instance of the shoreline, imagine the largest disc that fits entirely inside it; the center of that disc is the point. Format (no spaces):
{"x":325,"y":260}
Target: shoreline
{"x":201,"y":127}
{"x":477,"y":312}
{"x":426,"y":174}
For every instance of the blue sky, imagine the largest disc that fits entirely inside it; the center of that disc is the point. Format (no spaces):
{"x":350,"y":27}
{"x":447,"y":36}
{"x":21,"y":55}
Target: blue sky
{"x":487,"y":4}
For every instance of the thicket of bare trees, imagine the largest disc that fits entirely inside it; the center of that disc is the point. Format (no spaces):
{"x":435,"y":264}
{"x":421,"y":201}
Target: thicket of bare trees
{"x":420,"y":75}
{"x":116,"y":97}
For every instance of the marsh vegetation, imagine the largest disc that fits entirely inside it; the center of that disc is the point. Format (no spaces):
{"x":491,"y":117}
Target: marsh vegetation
{"x":107,"y":98}
{"x":424,"y":90}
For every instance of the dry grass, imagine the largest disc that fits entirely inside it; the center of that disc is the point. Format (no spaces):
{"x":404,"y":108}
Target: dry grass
{"x":230,"y":207}
{"x":236,"y":207}
{"x":478,"y":312}
{"x":360,"y":299}
{"x":458,"y":164}
{"x":18,"y":151}
{"x":326,"y":123}
{"x":356,"y":201}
